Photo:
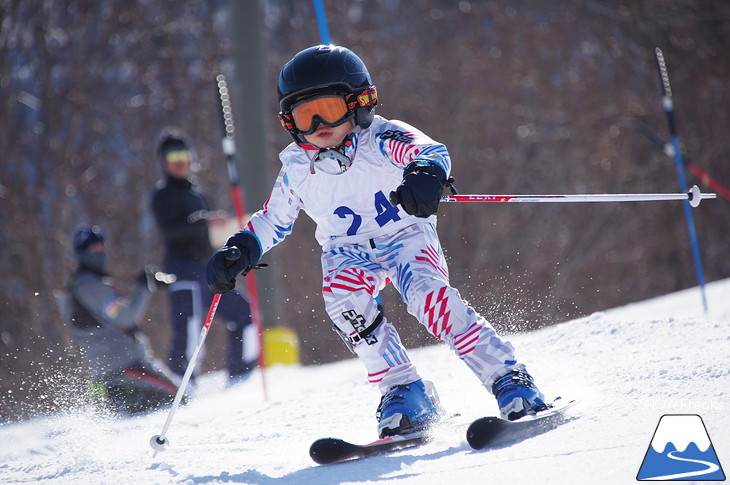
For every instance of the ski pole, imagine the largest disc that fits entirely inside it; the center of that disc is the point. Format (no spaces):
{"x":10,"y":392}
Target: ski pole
{"x":693,"y":196}
{"x":668,"y":106}
{"x":229,"y":149}
{"x":159,"y":442}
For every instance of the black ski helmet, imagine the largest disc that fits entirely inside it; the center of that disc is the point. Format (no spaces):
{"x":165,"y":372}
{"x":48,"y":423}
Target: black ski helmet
{"x":326,"y":69}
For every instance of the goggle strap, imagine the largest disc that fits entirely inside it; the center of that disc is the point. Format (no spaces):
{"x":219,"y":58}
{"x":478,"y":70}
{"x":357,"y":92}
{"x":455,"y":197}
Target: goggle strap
{"x":367,"y":97}
{"x":286,"y":120}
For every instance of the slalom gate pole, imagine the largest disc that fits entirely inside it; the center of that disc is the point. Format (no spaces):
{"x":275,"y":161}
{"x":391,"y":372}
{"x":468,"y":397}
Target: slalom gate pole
{"x":668,"y":106}
{"x":324,"y":35}
{"x":709,"y":180}
{"x":324,"y":31}
{"x":229,"y":149}
{"x":693,"y":197}
{"x":668,"y":149}
{"x":159,"y":442}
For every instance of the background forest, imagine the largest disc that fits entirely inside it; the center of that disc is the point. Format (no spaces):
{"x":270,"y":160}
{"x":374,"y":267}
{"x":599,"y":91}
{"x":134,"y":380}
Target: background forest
{"x":530,"y":97}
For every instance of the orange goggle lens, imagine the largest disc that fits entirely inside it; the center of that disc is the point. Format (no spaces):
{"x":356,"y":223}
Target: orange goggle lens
{"x":329,"y":109}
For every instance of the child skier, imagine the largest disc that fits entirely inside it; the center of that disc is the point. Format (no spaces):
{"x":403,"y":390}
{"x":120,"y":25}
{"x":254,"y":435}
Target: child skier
{"x":350,"y":170}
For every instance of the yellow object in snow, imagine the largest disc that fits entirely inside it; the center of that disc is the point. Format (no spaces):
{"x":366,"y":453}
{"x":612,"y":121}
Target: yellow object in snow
{"x":281,"y":346}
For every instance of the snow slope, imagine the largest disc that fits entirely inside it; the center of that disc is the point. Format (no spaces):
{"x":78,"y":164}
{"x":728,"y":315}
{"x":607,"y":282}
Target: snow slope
{"x":628,"y":366}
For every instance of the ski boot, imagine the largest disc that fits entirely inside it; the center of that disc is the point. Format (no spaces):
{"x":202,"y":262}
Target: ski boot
{"x":407,"y":408}
{"x":517,"y":395}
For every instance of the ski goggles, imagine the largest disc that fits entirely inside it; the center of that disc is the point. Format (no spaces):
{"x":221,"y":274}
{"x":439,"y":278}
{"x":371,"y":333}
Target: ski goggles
{"x":329,"y":110}
{"x":177,"y":156}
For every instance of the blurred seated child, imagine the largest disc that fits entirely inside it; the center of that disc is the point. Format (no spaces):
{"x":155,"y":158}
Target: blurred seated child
{"x":105,"y":326}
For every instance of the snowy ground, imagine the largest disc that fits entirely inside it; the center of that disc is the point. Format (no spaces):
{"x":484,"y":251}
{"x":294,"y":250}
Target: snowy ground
{"x":628,"y":366}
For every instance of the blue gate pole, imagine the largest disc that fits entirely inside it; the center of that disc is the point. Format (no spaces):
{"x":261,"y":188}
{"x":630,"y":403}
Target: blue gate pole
{"x":669,"y":109}
{"x":324,"y":31}
{"x":324,"y":34}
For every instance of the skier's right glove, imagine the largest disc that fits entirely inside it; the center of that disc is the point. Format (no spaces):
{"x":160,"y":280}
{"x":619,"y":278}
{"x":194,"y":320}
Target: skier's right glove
{"x":225,"y":264}
{"x":420,"y":191}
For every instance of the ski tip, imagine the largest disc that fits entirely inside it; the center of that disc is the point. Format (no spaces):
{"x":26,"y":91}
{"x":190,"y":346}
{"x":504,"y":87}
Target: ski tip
{"x":333,"y":450}
{"x":492,"y":430}
{"x":482,"y":431}
{"x":325,"y":450}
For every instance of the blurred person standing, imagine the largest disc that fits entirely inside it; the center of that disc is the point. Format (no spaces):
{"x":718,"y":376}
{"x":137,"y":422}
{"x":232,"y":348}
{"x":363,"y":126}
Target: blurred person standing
{"x":106,"y":327}
{"x":183,"y":215}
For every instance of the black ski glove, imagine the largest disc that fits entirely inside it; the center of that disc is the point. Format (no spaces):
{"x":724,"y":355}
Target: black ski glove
{"x":225,"y":264}
{"x":420,"y":191}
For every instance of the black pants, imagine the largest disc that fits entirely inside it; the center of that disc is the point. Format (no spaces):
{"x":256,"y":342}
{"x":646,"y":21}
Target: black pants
{"x":189,"y":303}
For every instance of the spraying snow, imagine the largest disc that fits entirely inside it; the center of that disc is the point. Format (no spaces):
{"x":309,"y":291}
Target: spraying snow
{"x":628,"y":367}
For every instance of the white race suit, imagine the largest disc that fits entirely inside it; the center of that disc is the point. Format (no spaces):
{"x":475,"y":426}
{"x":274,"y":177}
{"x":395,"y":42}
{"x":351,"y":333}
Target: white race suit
{"x":368,"y":243}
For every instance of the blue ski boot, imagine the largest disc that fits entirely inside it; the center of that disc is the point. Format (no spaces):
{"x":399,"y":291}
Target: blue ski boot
{"x":407,"y":408}
{"x":517,"y":395}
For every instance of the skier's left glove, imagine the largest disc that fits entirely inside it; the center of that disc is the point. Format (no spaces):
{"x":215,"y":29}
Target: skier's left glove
{"x":420,"y":191}
{"x":223,"y":267}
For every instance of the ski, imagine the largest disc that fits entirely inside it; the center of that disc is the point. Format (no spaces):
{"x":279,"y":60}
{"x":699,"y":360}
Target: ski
{"x":492,"y":431}
{"x":334,"y":450}
{"x":484,"y":432}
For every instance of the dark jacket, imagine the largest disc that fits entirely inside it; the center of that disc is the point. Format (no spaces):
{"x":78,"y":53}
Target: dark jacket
{"x":180,"y":210}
